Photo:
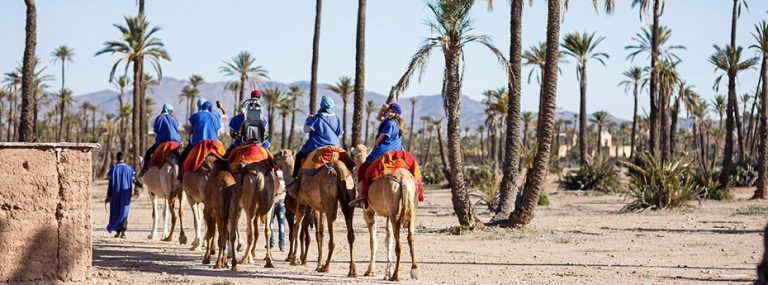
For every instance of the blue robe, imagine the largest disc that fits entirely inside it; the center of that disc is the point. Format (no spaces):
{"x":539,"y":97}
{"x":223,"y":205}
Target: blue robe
{"x":166,"y":129}
{"x":324,"y":130}
{"x":205,"y":126}
{"x":392,"y":140}
{"x":119,"y":191}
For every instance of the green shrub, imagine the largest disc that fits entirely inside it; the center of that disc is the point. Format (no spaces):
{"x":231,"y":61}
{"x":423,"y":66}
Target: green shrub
{"x":600,"y":175}
{"x":543,"y":199}
{"x":709,"y":185}
{"x":745,"y":174}
{"x":657,"y":185}
{"x":752,"y":211}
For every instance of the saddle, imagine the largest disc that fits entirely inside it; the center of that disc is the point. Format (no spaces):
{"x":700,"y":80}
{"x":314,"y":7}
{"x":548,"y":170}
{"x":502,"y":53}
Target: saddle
{"x":325,"y":157}
{"x":198,"y":154}
{"x":384,"y":166}
{"x":162,"y":152}
{"x":248,"y":154}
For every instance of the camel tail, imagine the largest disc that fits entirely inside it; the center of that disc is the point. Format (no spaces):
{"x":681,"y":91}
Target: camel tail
{"x":407,"y":201}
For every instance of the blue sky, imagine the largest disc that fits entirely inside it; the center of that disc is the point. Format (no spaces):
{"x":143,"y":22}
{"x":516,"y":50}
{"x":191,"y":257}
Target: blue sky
{"x":200,"y":35}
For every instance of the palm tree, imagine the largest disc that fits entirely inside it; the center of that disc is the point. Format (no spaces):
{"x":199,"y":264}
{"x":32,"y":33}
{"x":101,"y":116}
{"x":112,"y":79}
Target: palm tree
{"x":39,"y":80}
{"x":62,"y":54}
{"x":729,"y":60}
{"x":344,"y":89}
{"x":761,"y":39}
{"x":243,"y":67}
{"x":121,"y":83}
{"x":65,"y":103}
{"x":718,"y":105}
{"x":28,"y":86}
{"x":234,"y":87}
{"x":285,"y":108}
{"x":582,"y":47}
{"x":452,"y":23}
{"x":315,"y":58}
{"x":414,"y":100}
{"x":274,"y":98}
{"x":357,"y":106}
{"x":4,"y":94}
{"x":599,"y":118}
{"x":84,"y":108}
{"x":12,"y":82}
{"x":294,"y":93}
{"x":137,"y":43}
{"x":370,"y":107}
{"x":634,"y":77}
{"x":188,"y":93}
{"x":195,"y":80}
{"x":527,"y":120}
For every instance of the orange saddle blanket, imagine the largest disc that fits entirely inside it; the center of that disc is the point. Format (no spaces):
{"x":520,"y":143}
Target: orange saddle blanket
{"x":157,"y":159}
{"x":198,"y":154}
{"x":323,"y":156}
{"x":249,"y":153}
{"x":387,"y":164}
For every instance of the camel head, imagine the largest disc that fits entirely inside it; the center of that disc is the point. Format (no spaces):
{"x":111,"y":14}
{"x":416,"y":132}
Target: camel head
{"x":208,"y":163}
{"x":285,"y":159}
{"x":359,"y":153}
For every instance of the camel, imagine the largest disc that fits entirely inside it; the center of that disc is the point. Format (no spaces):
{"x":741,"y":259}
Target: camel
{"x":218,"y":193}
{"x":257,"y":186}
{"x":193,"y":185}
{"x":162,"y":182}
{"x":285,"y":160}
{"x":395,"y":197}
{"x":323,"y":191}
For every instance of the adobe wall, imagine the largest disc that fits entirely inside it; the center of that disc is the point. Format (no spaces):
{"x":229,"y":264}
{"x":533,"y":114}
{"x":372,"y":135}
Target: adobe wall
{"x":45,"y":212}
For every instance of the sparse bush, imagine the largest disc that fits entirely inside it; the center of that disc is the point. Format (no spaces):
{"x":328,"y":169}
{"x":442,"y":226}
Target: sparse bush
{"x":709,"y":186}
{"x":433,"y":174}
{"x":657,"y":185}
{"x":489,"y":186}
{"x":600,"y":175}
{"x":543,"y":199}
{"x":752,"y":211}
{"x":745,"y":174}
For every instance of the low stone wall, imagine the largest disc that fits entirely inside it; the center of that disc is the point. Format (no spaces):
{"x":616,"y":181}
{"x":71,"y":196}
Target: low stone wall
{"x":45,"y":212}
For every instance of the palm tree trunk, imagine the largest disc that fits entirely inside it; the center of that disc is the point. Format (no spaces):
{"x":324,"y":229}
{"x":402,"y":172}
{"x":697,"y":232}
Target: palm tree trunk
{"x":673,"y":130}
{"x":282,"y":133}
{"x":240,"y":96}
{"x":142,"y":115}
{"x":61,"y":121}
{"x":654,"y":116}
{"x":271,"y":114}
{"x":634,"y":126}
{"x":359,"y":105}
{"x":582,"y":113}
{"x":413,"y":118}
{"x":26,"y":126}
{"x":344,"y":124}
{"x":108,"y":156}
{"x":137,"y":76}
{"x":523,"y":214}
{"x":664,"y":123}
{"x":444,"y":162}
{"x":462,"y":205}
{"x":315,"y":58}
{"x":739,"y":128}
{"x":11,"y":124}
{"x":293,"y":122}
{"x":727,"y":169}
{"x":141,"y":7}
{"x":123,"y":134}
{"x":426,"y":158}
{"x":762,"y":165}
{"x":367,"y":125}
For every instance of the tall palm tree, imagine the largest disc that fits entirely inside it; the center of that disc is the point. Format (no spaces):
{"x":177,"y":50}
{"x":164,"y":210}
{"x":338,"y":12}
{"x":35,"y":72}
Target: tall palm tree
{"x":195,"y":80}
{"x":599,"y":118}
{"x":273,"y":98}
{"x":536,"y":57}
{"x":3,"y":95}
{"x":243,"y":67}
{"x":62,"y":54}
{"x":453,"y":23}
{"x":344,"y":88}
{"x":359,"y":101}
{"x":414,"y":100}
{"x":294,"y":93}
{"x":285,"y":108}
{"x":39,"y":79}
{"x":65,"y":103}
{"x":730,"y":61}
{"x":188,"y":93}
{"x":234,"y":87}
{"x":761,"y":39}
{"x":12,"y":82}
{"x":582,"y":47}
{"x":656,"y":8}
{"x":137,"y":43}
{"x":634,"y":77}
{"x":315,"y":58}
{"x":718,"y":105}
{"x":28,"y":86}
{"x":370,"y":107}
{"x":121,"y":83}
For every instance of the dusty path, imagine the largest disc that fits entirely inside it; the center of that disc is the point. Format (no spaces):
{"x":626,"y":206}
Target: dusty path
{"x":579,"y":239}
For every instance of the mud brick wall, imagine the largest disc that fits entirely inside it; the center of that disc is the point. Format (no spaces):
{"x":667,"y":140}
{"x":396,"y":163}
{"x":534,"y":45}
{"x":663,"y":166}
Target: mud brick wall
{"x":45,"y":212}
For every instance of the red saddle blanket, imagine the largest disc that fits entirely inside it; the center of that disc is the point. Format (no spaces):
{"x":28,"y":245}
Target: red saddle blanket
{"x":249,"y":153}
{"x":387,"y":164}
{"x":157,"y":159}
{"x":198,"y":154}
{"x":323,"y":156}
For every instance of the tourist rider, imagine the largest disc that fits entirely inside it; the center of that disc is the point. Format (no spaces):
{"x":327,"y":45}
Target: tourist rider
{"x":236,"y":124}
{"x":389,"y":138}
{"x":204,"y":125}
{"x":166,"y":129}
{"x":324,"y":129}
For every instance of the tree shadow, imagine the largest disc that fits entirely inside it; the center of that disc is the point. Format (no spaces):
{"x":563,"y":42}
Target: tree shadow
{"x":35,"y":259}
{"x":685,"y":231}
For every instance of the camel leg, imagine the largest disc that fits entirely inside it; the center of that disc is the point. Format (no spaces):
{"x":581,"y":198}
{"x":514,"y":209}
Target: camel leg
{"x":234,"y":217}
{"x":398,"y":248}
{"x":414,"y":274}
{"x":305,"y":240}
{"x":247,"y":258}
{"x":240,"y":242}
{"x":171,"y":201}
{"x":370,"y":220}
{"x":221,"y":261}
{"x":291,"y":237}
{"x":295,"y":228}
{"x":267,"y":235}
{"x":182,"y":199}
{"x":331,"y":220}
{"x":319,"y":237}
{"x":153,"y":199}
{"x":198,"y":226}
{"x":349,"y":214}
{"x":166,"y":220}
{"x":209,"y":233}
{"x":388,"y":272}
{"x":255,"y":228}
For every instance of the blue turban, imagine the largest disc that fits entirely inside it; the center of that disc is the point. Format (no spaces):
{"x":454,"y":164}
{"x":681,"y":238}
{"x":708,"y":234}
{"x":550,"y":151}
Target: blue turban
{"x":200,"y":102}
{"x":396,"y":108}
{"x":167,"y":108}
{"x":207,"y":106}
{"x":326,"y":105}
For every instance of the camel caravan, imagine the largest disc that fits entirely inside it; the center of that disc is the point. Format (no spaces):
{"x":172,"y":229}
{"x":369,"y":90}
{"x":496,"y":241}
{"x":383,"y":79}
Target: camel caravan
{"x":222,"y":186}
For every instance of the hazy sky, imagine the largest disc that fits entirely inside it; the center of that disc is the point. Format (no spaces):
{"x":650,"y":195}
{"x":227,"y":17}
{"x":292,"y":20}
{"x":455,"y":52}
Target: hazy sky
{"x":200,"y":35}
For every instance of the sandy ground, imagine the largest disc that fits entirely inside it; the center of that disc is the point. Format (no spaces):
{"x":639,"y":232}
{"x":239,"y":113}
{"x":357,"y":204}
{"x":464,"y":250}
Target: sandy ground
{"x":581,"y":238}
